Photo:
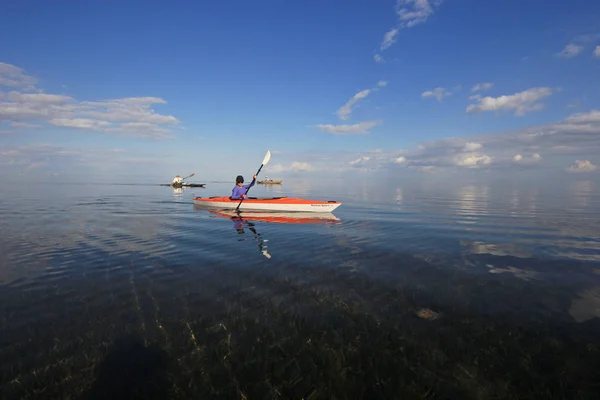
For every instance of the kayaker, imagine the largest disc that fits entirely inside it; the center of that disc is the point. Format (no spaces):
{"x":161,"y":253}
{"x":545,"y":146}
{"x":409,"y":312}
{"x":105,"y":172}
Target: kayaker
{"x":239,"y":190}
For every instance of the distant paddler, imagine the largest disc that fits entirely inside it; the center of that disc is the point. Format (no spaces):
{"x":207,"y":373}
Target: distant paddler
{"x":178,"y":180}
{"x":269,"y":181}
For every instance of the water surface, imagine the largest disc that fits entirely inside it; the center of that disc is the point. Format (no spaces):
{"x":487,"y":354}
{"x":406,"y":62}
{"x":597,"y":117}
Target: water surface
{"x":459,"y":290}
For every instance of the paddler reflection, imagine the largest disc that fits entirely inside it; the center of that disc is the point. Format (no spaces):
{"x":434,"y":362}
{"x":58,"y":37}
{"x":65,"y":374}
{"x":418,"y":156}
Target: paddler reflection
{"x":238,"y":224}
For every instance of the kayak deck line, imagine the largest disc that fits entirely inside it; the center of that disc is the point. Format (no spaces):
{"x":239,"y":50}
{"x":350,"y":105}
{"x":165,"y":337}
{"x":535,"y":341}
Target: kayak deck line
{"x":282,"y":203}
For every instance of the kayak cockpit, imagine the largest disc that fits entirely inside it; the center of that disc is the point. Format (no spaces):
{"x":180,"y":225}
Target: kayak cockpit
{"x":267,"y":198}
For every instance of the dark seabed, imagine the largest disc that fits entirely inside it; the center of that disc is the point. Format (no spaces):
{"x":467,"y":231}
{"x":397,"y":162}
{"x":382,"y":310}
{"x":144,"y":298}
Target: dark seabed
{"x":470,"y":291}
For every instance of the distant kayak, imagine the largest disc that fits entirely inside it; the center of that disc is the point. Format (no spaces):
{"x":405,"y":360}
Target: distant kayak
{"x":279,"y":217}
{"x":269,"y":181}
{"x":183,"y":185}
{"x":289,"y":204}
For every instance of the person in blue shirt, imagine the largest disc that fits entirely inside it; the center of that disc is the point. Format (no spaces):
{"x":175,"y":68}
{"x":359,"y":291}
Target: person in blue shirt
{"x":239,"y":190}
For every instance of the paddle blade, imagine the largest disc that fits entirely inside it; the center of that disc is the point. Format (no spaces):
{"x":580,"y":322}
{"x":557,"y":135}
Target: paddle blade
{"x":267,"y":157}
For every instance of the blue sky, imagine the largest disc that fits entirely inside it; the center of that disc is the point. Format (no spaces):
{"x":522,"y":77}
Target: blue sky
{"x":146,"y":90}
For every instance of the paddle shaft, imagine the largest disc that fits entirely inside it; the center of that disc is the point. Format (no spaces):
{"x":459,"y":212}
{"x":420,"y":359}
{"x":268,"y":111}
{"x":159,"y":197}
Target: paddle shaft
{"x":249,"y":186}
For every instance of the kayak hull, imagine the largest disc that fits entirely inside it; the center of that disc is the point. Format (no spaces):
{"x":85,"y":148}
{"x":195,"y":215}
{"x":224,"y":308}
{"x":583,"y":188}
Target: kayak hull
{"x":278,"y":217}
{"x":269,"y":182}
{"x":284,"y":204}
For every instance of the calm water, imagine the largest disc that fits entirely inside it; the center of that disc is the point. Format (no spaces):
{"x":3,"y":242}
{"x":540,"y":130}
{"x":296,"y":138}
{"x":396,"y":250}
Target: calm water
{"x":464,"y":291}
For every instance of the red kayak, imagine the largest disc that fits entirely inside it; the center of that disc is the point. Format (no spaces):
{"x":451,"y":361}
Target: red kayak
{"x":285,"y":204}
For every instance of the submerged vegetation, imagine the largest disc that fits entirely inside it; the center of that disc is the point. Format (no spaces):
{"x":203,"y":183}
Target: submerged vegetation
{"x":381,"y":329}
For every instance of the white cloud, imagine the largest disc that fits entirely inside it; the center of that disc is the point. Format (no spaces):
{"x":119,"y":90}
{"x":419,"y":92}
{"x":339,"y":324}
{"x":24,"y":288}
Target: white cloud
{"x":12,"y":76}
{"x":472,"y":146}
{"x":410,"y":13}
{"x":570,"y":50}
{"x":414,"y":12}
{"x":472,"y":161}
{"x":577,"y":135}
{"x":359,"y":161}
{"x":439,"y":93}
{"x":582,"y":166}
{"x":296,"y":166}
{"x":378,"y":58}
{"x":38,"y":98}
{"x":588,"y":37}
{"x":585,"y":118}
{"x":369,"y":161}
{"x":25,"y":125}
{"x":81,"y":123}
{"x":482,"y":86}
{"x":33,"y":106}
{"x":141,"y":129}
{"x":132,"y":109}
{"x":361,"y":128}
{"x":73,"y":158}
{"x":301,"y":166}
{"x":522,"y":102}
{"x":530,"y":159}
{"x":573,"y":49}
{"x":131,"y":116}
{"x":389,"y":38}
{"x":344,"y":112}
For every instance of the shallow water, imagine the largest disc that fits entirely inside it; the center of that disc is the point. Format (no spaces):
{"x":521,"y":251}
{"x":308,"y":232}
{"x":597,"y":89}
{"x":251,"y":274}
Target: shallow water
{"x":468,"y":290}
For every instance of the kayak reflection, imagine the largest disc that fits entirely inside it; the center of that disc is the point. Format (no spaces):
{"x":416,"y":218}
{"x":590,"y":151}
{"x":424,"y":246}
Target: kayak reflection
{"x":246,"y":220}
{"x":277,"y":217}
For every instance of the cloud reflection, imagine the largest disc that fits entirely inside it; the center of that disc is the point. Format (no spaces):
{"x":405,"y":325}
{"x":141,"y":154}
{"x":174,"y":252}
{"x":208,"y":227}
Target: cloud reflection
{"x":587,"y":305}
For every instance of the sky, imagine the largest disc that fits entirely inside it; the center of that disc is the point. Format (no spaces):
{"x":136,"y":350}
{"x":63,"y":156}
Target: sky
{"x":142,"y":91}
